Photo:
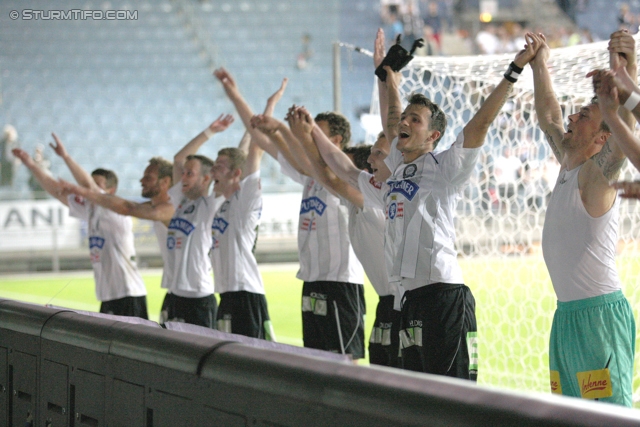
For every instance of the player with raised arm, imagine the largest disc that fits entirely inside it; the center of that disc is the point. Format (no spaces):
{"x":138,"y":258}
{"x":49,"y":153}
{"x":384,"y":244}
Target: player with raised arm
{"x":243,"y":306}
{"x":333,"y":305}
{"x":350,"y":178}
{"x":616,"y":88}
{"x":593,"y":332}
{"x":119,"y":286}
{"x":438,"y":325}
{"x":190,"y":296}
{"x":156,"y":182}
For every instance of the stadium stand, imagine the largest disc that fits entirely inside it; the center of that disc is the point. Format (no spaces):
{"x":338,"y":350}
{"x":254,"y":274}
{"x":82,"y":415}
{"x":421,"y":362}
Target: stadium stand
{"x":120,"y":91}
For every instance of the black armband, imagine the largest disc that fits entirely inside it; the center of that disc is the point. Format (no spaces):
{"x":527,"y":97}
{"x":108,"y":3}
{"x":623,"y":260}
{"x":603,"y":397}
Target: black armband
{"x":513,"y":72}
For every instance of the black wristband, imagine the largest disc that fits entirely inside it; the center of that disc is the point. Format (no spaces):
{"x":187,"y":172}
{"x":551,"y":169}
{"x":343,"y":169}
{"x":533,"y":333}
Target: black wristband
{"x":513,"y":72}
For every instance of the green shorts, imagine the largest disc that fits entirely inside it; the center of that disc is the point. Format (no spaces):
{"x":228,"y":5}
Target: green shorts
{"x":591,"y":349}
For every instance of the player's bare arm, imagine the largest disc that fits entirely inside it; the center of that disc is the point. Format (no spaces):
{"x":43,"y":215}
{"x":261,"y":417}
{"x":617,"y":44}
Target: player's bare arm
{"x":155,"y":212}
{"x":246,"y":113}
{"x":286,"y":142}
{"x":335,"y":158}
{"x":81,"y":176}
{"x":379,"y":51}
{"x":475,"y":131}
{"x":394,"y":110}
{"x":219,"y":125}
{"x":547,"y":106}
{"x":302,"y":125}
{"x":46,"y":180}
{"x":622,"y":54}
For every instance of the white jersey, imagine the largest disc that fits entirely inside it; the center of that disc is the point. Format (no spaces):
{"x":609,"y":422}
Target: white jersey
{"x":113,"y":255}
{"x":188,"y":244}
{"x":420,"y":204}
{"x":234,"y":233}
{"x":161,"y":234}
{"x":579,"y":250}
{"x":366,"y":230}
{"x":324,"y":247}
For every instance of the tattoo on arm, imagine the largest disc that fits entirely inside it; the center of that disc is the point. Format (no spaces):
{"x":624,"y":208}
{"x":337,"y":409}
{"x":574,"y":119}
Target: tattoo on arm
{"x":393,"y":117}
{"x":609,"y":165}
{"x":552,"y":144}
{"x":502,"y":102}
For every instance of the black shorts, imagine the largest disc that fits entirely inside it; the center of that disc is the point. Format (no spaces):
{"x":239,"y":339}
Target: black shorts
{"x":244,"y":313}
{"x":385,"y":336}
{"x":438,"y":331}
{"x":127,"y":306}
{"x":324,"y":327}
{"x":197,"y":311}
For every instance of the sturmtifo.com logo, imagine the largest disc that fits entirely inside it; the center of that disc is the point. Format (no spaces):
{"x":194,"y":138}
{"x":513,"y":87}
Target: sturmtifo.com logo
{"x":74,"y":15}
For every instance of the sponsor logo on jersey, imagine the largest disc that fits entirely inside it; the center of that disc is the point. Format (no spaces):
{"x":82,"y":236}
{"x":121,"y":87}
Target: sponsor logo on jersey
{"x":395,"y":210}
{"x":190,"y":209}
{"x":312,"y":204}
{"x":554,"y":382}
{"x":308,"y":224}
{"x":96,"y":242}
{"x":219,"y":224}
{"x":405,"y":187}
{"x":181,"y":224}
{"x":595,"y":384}
{"x":409,"y":171}
{"x":375,"y":183}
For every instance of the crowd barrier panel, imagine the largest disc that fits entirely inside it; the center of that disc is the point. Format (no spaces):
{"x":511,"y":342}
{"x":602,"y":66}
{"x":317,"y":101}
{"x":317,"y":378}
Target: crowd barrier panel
{"x":62,"y":368}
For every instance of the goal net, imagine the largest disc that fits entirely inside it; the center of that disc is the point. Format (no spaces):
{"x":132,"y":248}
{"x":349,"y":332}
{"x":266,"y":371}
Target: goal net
{"x":500,"y":217}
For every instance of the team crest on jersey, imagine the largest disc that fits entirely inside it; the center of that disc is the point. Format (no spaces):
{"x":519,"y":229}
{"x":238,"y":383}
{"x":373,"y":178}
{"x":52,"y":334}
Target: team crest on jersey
{"x":308,"y":224}
{"x":405,"y":187}
{"x":219,"y":224}
{"x":96,"y":242}
{"x":312,"y":204}
{"x":375,"y":183}
{"x":409,"y":171}
{"x":190,"y":209}
{"x":171,"y":242}
{"x":181,"y":224}
{"x":395,"y":210}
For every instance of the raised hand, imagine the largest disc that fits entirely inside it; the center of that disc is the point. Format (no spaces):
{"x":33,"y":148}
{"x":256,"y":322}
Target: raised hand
{"x":277,"y":95}
{"x":265,"y":124}
{"x":59,"y":147}
{"x":221,"y":123}
{"x":622,"y":43}
{"x":528,"y":53}
{"x":301,"y":122}
{"x":225,"y":78}
{"x":24,"y":157}
{"x":540,"y":46}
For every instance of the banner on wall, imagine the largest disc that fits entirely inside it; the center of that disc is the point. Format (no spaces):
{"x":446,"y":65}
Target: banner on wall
{"x":37,"y":225}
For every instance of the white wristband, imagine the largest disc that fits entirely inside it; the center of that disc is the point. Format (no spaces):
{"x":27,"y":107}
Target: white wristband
{"x":208,"y":132}
{"x":633,"y":101}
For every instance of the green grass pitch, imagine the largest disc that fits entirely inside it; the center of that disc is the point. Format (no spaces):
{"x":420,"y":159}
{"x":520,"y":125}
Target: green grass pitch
{"x":514,"y":307}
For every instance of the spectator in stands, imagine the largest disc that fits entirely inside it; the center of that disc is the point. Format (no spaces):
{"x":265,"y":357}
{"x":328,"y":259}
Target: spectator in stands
{"x":119,"y":286}
{"x":156,"y":182}
{"x":487,"y":41}
{"x":8,"y":161}
{"x":333,"y":305}
{"x":433,"y":27}
{"x":593,"y":331}
{"x":190,"y":296}
{"x":42,"y":162}
{"x":243,"y":306}
{"x":438,"y":326}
